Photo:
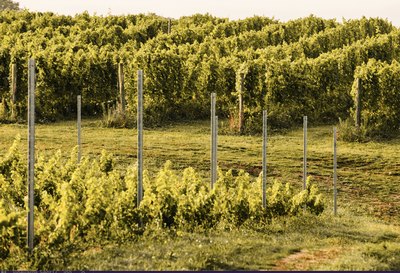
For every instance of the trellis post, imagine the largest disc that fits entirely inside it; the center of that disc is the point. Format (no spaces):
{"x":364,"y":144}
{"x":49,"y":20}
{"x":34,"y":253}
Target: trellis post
{"x":121,"y":85}
{"x":79,"y":126}
{"x":264,"y":160}
{"x":31,"y":150}
{"x":334,"y":171}
{"x":304,"y":152}
{"x":358,"y":104}
{"x":213,"y":141}
{"x":241,"y":111}
{"x":13,"y":90}
{"x":140,"y":137}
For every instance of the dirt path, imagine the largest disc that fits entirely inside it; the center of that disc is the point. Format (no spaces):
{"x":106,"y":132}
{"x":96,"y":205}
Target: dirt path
{"x":306,"y":259}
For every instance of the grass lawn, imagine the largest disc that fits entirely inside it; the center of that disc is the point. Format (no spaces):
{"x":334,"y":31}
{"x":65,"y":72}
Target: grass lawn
{"x":302,"y":243}
{"x":365,"y":235}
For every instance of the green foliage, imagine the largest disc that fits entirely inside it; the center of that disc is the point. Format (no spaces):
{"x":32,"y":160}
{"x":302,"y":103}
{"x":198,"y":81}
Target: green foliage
{"x":90,"y":201}
{"x":380,"y":98}
{"x":11,"y":228}
{"x":350,"y":133}
{"x":3,"y":111}
{"x":8,"y":5}
{"x":301,"y":67}
{"x":13,"y":171}
{"x":384,"y":253}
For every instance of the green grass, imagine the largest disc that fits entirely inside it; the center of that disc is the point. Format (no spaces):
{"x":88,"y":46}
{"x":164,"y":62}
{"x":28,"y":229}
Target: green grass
{"x":309,"y":242}
{"x":365,"y":235}
{"x":368,"y":173}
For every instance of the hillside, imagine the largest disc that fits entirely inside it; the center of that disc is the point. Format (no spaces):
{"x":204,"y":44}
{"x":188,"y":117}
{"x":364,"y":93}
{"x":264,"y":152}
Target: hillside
{"x":86,"y":212}
{"x":301,"y":67}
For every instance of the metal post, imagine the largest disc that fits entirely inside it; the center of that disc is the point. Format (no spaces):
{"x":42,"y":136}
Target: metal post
{"x":216,"y":151}
{"x":31,"y":150}
{"x":305,"y":152}
{"x":264,"y":160}
{"x":79,"y":117}
{"x":213,"y":142}
{"x":334,"y":171}
{"x":121,"y":84}
{"x":140,"y":137}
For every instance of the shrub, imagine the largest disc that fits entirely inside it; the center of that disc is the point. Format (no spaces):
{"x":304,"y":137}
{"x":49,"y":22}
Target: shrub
{"x":90,"y":201}
{"x":380,"y":99}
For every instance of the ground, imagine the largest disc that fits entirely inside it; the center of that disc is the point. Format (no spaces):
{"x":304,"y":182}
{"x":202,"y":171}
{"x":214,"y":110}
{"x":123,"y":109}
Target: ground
{"x":365,"y":235}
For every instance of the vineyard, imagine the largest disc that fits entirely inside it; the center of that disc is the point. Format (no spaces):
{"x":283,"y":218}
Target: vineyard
{"x":329,"y":71}
{"x":302,"y":67}
{"x":87,"y":200}
{"x":87,"y":218}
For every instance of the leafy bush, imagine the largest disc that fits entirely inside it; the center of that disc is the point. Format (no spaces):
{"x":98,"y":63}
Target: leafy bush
{"x":79,"y":203}
{"x":380,"y":98}
{"x":349,"y":132}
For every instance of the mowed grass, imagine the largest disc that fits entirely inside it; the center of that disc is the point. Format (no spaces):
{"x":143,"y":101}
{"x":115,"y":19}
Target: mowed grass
{"x":309,"y":242}
{"x":365,"y":235}
{"x":368,"y":173}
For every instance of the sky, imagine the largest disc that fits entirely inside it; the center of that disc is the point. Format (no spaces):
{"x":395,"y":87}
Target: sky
{"x":282,"y":10}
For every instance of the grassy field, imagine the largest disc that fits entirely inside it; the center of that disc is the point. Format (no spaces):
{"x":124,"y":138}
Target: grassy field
{"x":302,"y":243}
{"x":365,"y":235}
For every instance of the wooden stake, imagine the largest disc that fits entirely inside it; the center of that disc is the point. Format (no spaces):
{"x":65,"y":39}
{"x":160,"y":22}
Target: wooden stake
{"x":13,"y":83}
{"x":13,"y":91}
{"x":121,"y":84}
{"x":169,"y":25}
{"x":358,"y":106}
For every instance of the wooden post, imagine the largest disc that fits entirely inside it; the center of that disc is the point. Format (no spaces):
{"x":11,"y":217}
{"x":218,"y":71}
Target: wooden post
{"x":169,"y":25}
{"x":79,"y":116}
{"x":358,"y":103}
{"x":334,"y":172}
{"x":13,"y":90}
{"x":305,"y":152}
{"x":264,"y":161}
{"x":140,"y":137}
{"x":13,"y":83}
{"x":213,"y":142}
{"x":121,"y":84}
{"x":241,"y":114}
{"x":31,"y":150}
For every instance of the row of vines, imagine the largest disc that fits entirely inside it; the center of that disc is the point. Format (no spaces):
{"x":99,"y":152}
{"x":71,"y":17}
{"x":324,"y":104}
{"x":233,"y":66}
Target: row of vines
{"x":302,"y":67}
{"x":90,"y":201}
